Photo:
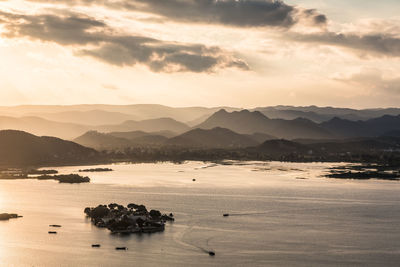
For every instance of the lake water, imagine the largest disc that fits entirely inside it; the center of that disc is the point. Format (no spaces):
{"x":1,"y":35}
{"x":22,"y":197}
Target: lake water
{"x":282,"y":214}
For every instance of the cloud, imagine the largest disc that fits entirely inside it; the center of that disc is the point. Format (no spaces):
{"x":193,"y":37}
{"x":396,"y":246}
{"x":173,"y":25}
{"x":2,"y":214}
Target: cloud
{"x":94,"y":38}
{"x":372,"y":79}
{"x":237,"y":13}
{"x":370,"y":44}
{"x":110,"y":87}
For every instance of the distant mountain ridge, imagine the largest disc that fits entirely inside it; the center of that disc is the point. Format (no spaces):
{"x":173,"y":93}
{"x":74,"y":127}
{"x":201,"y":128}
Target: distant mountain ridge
{"x":288,"y":122}
{"x":39,"y":126}
{"x":246,"y":122}
{"x":369,"y":128}
{"x":152,"y":125}
{"x":213,"y":138}
{"x":196,"y":138}
{"x":99,"y":114}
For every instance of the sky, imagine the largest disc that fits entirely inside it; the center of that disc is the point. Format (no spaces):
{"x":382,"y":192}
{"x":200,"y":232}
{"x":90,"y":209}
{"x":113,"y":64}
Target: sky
{"x":242,"y":53}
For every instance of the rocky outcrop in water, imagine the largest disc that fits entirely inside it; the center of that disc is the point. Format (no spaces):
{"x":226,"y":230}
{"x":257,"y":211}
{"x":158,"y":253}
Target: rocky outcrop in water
{"x":127,"y":220}
{"x":7,"y":216}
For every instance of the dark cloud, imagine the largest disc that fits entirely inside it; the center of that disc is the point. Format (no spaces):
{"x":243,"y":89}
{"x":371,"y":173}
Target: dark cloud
{"x":94,"y":38}
{"x":378,"y":44}
{"x":238,"y":13}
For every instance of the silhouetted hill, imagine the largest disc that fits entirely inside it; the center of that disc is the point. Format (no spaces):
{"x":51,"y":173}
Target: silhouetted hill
{"x":393,"y":133}
{"x":373,"y":127}
{"x":105,"y":141}
{"x":21,"y":148}
{"x":137,"y":134}
{"x":246,"y":122}
{"x":364,"y":114}
{"x":281,"y":147}
{"x":289,"y":114}
{"x":101,"y":141}
{"x":153,"y":125}
{"x":261,"y":137}
{"x":213,"y":138}
{"x":149,"y":140}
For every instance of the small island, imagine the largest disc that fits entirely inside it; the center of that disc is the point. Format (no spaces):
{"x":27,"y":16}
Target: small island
{"x":41,"y":172}
{"x":365,"y":172}
{"x":132,"y":219}
{"x":62,"y":178}
{"x":97,"y":170}
{"x":8,"y":216}
{"x":66,"y":178}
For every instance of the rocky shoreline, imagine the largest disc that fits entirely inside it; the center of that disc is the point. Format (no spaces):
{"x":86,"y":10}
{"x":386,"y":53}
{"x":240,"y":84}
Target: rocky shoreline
{"x":132,"y":219}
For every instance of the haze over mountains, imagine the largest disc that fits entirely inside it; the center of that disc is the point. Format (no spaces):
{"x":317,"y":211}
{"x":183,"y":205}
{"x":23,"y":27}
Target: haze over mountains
{"x":111,"y":126}
{"x":246,"y":122}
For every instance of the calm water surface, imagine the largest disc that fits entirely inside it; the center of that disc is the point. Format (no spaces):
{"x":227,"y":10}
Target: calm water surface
{"x":276,"y":218}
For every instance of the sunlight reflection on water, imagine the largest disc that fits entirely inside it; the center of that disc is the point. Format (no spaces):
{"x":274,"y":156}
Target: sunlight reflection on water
{"x":276,"y":219}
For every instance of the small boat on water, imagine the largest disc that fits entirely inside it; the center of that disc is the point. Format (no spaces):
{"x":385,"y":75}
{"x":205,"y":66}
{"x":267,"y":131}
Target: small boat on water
{"x":211,"y":253}
{"x":52,"y":232}
{"x":55,"y":225}
{"x":226,"y":215}
{"x":96,"y":246}
{"x":121,"y":248}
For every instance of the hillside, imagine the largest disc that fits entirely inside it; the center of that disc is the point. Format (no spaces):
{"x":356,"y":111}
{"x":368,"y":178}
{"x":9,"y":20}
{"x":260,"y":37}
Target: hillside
{"x":21,"y":148}
{"x":246,"y":122}
{"x":105,"y":141}
{"x":213,"y":138}
{"x":101,"y":141}
{"x":279,"y":147}
{"x":343,"y":113}
{"x":369,"y":128}
{"x":137,"y":134}
{"x":39,"y":126}
{"x":153,"y":125}
{"x":261,"y":137}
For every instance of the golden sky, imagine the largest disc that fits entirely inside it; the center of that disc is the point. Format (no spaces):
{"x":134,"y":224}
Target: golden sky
{"x":244,"y":53}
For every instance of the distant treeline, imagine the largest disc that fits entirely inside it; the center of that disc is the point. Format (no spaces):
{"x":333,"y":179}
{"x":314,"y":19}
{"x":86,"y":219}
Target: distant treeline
{"x":250,"y":154}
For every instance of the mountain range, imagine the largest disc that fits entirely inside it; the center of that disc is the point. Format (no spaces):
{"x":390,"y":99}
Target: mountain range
{"x":115,"y":114}
{"x":246,"y":122}
{"x":123,"y":122}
